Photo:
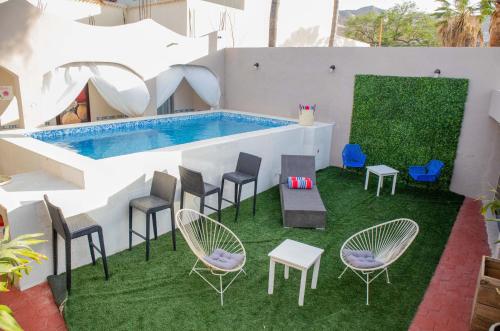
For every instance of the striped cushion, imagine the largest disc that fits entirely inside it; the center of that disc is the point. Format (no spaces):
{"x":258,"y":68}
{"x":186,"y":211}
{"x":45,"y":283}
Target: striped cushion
{"x":300,"y":183}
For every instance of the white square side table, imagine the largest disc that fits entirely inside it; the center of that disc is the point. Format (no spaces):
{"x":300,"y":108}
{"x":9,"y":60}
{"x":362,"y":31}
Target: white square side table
{"x":381,"y":171}
{"x":299,"y":256}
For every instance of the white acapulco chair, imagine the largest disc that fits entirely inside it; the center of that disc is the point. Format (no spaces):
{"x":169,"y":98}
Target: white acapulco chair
{"x":373,"y":250}
{"x":214,"y":245}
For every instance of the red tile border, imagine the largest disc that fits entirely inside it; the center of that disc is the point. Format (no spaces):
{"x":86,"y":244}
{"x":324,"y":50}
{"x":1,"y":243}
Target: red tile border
{"x":447,"y":303}
{"x":34,"y":309}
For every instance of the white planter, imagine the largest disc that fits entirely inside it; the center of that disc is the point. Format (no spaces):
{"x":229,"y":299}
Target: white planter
{"x":306,"y":117}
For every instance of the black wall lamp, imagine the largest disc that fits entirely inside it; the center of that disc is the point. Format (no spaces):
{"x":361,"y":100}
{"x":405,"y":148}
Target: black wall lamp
{"x":332,"y":68}
{"x":437,"y":73}
{"x":256,"y":65}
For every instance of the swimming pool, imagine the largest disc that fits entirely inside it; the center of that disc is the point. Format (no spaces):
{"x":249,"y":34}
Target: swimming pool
{"x":108,"y":140}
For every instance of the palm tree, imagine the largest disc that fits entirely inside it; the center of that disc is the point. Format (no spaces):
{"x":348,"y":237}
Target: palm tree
{"x":335,"y":19}
{"x":273,"y":22}
{"x":495,"y":26}
{"x":459,"y":22}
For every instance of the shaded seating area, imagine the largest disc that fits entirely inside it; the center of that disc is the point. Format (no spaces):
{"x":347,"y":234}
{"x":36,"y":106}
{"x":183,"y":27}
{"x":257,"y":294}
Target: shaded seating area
{"x":162,"y":197}
{"x":247,"y":171}
{"x":370,"y":252}
{"x":428,"y":173}
{"x":301,"y":208}
{"x":72,"y":228}
{"x":215,"y":246}
{"x":353,"y":156}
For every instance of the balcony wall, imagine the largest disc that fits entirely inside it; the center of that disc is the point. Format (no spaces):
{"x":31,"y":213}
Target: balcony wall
{"x":289,"y":76}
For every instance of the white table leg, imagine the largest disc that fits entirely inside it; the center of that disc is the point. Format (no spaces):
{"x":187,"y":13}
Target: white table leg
{"x":286,"y":271}
{"x":366,"y":179}
{"x":379,"y":184}
{"x":302,"y":290}
{"x":314,"y":282}
{"x":394,"y":183}
{"x":270,"y":287}
{"x":382,"y":182}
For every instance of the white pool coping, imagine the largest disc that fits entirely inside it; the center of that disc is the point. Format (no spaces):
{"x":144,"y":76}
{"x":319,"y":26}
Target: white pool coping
{"x":75,"y":166}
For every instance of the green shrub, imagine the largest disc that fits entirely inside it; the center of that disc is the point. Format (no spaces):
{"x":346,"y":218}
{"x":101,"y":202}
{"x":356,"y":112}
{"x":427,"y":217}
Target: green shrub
{"x":403,"y":121}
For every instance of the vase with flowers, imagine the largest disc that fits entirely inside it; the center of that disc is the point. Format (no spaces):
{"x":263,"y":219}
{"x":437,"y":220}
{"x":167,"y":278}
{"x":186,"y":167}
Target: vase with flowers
{"x":306,"y":114}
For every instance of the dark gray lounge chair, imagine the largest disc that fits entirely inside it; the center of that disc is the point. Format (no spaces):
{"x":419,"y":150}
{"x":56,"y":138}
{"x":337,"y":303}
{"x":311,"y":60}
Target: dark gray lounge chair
{"x":300,"y":208}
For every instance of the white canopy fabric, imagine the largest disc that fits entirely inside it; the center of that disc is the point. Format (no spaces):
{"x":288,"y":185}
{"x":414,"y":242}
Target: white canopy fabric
{"x":120,"y":88}
{"x":60,"y":88}
{"x":201,"y":79}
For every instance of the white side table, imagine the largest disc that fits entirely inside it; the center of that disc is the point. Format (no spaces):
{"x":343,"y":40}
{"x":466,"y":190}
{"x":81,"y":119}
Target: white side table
{"x":299,"y":256}
{"x":381,"y":171}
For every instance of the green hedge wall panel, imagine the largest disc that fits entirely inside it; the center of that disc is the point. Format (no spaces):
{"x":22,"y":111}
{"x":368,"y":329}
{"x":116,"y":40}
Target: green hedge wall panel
{"x":403,"y":121}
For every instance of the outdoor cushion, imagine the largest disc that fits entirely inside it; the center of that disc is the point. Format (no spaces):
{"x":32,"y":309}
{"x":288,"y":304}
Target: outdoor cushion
{"x":363,"y":259}
{"x":149,"y":203}
{"x":238,"y":177}
{"x":300,"y":183}
{"x":79,"y":223}
{"x":224,"y":260}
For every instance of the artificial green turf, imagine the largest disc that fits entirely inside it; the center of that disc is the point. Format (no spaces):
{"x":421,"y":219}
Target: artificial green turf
{"x":159,"y":294}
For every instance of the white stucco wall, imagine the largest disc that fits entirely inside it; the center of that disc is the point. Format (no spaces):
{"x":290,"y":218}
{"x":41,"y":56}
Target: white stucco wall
{"x":289,"y":76}
{"x":172,"y":15}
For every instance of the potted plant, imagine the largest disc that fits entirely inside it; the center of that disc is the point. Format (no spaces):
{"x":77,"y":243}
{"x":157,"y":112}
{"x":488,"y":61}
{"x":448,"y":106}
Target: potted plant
{"x":306,"y":114}
{"x":15,"y":256}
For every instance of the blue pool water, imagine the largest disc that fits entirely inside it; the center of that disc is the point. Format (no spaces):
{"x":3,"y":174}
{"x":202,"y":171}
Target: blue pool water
{"x":107,"y":140}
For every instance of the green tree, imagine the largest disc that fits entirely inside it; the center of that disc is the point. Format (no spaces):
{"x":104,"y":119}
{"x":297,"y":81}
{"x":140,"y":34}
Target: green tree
{"x":460,"y":22}
{"x":401,"y":25}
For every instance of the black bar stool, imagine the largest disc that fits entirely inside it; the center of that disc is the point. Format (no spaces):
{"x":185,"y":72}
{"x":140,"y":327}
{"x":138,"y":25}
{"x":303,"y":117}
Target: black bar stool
{"x":162,"y":197}
{"x":192,"y":183}
{"x":71,"y":228}
{"x":247,"y":171}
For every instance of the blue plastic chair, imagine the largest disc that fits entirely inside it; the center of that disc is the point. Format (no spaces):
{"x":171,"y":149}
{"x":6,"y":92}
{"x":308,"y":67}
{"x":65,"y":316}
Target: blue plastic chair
{"x":429,"y":173}
{"x":353,"y":156}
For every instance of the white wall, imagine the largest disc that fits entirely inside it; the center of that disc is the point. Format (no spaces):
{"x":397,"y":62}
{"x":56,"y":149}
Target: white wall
{"x":289,"y":76}
{"x":172,"y":15}
{"x":8,"y":79}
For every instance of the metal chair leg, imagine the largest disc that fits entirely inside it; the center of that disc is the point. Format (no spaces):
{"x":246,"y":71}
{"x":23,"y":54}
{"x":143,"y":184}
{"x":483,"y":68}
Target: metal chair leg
{"x":367,"y":289}
{"x":237,"y":202}
{"x":54,"y":250}
{"x":222,"y":188}
{"x":172,"y":223}
{"x":130,"y":210}
{"x":254,"y":196}
{"x":67,"y":244}
{"x":202,"y":205}
{"x":147,"y":235}
{"x":103,"y":254}
{"x":221,"y":292}
{"x":155,"y":229}
{"x":91,"y":246}
{"x":219,"y":206}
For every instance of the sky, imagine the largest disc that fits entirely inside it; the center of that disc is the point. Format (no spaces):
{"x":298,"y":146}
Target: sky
{"x":425,"y":5}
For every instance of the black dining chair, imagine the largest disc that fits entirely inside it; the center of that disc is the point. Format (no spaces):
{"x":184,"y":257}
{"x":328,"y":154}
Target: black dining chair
{"x":192,"y":183}
{"x":162,"y":196}
{"x":71,"y":228}
{"x":247,"y":171}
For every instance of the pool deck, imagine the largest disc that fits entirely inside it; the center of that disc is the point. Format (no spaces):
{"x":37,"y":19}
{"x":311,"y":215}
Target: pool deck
{"x":103,"y":188}
{"x":446,"y":306}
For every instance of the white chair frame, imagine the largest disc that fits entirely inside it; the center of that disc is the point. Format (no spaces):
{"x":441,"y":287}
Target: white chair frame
{"x":203,"y":235}
{"x":387,"y":241}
